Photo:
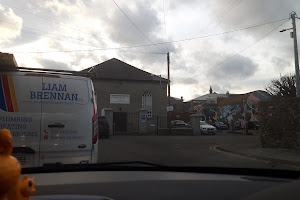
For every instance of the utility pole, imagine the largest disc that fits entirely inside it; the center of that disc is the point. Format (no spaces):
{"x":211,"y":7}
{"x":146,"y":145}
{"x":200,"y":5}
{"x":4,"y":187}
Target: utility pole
{"x":169,"y":95}
{"x":294,"y":35}
{"x":293,"y":15}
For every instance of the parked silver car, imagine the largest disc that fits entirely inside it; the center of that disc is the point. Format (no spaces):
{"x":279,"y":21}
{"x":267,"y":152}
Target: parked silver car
{"x":205,"y":128}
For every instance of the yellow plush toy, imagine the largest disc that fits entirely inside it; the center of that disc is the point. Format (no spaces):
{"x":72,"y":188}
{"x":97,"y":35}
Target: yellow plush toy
{"x":11,"y":187}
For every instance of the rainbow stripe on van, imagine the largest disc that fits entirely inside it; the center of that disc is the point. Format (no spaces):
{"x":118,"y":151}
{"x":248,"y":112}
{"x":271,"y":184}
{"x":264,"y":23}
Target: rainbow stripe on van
{"x":8,"y":100}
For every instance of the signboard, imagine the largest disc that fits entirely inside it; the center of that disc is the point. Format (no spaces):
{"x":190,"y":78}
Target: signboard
{"x":143,"y":117}
{"x":170,"y":108}
{"x":120,"y":99}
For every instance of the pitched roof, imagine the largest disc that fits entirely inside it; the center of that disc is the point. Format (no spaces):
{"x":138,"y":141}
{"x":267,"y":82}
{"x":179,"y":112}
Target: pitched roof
{"x":238,"y":99}
{"x":206,"y":96}
{"x":119,"y":70}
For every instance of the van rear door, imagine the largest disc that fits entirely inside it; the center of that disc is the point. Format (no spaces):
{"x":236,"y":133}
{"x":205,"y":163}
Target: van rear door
{"x":67,"y":112}
{"x":21,"y":114}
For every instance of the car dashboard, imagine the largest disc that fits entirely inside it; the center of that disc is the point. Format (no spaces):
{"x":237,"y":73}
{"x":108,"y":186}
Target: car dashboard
{"x":115,"y":185}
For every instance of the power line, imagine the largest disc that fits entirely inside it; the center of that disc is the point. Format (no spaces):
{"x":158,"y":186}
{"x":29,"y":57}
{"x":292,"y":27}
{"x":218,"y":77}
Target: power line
{"x":222,"y":14}
{"x":175,"y":41}
{"x":226,"y":32}
{"x":136,"y":26}
{"x":229,"y":58}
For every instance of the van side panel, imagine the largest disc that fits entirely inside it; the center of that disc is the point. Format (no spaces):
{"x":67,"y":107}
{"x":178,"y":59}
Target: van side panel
{"x":67,"y":112}
{"x":21,"y":115}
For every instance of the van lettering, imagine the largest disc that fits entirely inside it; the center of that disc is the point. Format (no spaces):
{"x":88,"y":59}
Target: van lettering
{"x":46,"y":95}
{"x":54,"y":87}
{"x":67,"y":97}
{"x":60,"y":96}
{"x":39,"y":95}
{"x":32,"y":95}
{"x":53,"y":95}
{"x":44,"y":86}
{"x":74,"y":97}
{"x":62,"y":88}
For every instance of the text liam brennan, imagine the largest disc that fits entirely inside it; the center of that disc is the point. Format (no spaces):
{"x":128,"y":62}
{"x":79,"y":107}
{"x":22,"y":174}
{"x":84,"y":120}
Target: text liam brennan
{"x":52,"y":91}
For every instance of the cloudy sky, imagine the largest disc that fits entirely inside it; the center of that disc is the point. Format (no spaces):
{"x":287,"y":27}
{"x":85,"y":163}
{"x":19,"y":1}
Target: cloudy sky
{"x":201,"y":36}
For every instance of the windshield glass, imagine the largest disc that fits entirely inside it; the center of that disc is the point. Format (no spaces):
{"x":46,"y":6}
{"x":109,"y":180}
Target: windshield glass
{"x":84,"y":82}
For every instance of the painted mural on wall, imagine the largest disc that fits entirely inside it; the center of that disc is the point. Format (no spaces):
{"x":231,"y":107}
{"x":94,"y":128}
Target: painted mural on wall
{"x":235,"y":112}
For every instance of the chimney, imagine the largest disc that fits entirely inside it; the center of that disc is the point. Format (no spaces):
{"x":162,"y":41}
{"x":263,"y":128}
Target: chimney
{"x":8,"y":62}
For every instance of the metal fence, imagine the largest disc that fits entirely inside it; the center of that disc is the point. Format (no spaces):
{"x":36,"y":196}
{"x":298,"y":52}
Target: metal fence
{"x":155,"y":123}
{"x":128,"y":123}
{"x":132,"y":122}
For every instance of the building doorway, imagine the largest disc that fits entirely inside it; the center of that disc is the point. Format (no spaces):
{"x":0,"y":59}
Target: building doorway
{"x":120,"y":121}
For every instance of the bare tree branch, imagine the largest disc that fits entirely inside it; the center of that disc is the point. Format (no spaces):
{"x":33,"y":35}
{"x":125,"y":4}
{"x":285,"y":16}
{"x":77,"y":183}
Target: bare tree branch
{"x":285,"y":86}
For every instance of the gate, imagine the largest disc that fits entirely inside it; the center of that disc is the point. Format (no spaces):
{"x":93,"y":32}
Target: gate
{"x":132,"y":122}
{"x":120,"y":121}
{"x":155,"y":123}
{"x":125,"y":122}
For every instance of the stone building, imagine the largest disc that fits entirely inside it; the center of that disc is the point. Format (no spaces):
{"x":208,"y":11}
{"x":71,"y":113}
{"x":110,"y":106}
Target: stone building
{"x":126,"y":89}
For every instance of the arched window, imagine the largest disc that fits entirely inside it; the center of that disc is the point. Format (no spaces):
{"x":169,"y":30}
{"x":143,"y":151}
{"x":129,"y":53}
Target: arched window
{"x":147,"y":103}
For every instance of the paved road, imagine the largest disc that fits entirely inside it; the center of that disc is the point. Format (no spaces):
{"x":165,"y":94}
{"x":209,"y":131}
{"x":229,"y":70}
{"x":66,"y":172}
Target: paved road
{"x":178,"y":150}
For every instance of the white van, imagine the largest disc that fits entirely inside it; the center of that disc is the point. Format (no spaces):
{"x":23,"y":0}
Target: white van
{"x":52,"y":117}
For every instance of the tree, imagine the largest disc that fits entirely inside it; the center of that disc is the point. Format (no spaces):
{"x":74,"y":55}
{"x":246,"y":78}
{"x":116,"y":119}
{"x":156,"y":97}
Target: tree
{"x":285,"y":86}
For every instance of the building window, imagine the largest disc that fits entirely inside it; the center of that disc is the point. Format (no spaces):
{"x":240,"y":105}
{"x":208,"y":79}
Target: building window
{"x":147,"y":103}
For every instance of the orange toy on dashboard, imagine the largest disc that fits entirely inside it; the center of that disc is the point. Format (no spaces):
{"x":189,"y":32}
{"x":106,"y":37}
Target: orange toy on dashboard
{"x":10,"y":169}
{"x":25,"y":188}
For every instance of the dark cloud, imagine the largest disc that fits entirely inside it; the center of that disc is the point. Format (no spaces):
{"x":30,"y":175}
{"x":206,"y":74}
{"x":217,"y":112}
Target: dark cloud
{"x":239,"y":67}
{"x":122,"y":31}
{"x":184,"y":80}
{"x":255,"y":11}
{"x":51,"y":64}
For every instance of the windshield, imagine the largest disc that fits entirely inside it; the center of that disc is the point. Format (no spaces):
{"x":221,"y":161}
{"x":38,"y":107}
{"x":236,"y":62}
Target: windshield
{"x":85,"y":82}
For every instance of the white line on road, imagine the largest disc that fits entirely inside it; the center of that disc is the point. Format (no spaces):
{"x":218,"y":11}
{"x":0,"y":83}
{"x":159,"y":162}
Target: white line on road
{"x":215,"y":148}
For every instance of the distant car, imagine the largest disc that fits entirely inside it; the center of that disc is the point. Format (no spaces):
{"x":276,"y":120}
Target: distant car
{"x":206,"y":128}
{"x":220,"y":125}
{"x":178,"y":123}
{"x":253,"y":125}
{"x":103,"y":127}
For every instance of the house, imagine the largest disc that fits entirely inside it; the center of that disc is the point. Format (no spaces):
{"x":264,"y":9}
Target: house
{"x":205,"y":101}
{"x":126,"y":89}
{"x":179,"y":110}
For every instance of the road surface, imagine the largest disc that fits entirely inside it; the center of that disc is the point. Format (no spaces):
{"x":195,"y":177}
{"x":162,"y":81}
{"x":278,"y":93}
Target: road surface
{"x":178,"y":150}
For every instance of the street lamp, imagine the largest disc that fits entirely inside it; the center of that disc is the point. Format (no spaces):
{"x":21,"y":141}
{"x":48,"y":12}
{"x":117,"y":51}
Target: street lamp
{"x":294,"y":35}
{"x":285,"y":30}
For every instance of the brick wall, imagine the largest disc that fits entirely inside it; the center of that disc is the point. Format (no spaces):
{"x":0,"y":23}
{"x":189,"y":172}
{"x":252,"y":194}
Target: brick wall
{"x":279,"y":123}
